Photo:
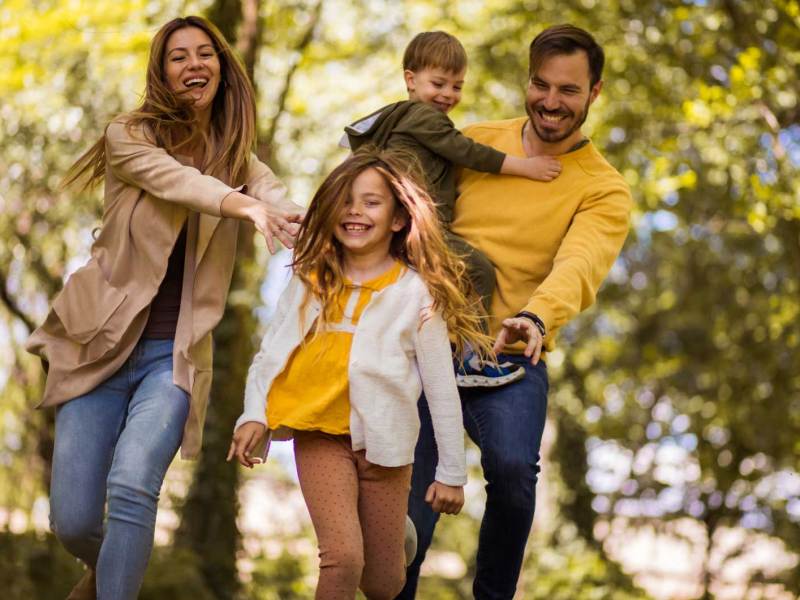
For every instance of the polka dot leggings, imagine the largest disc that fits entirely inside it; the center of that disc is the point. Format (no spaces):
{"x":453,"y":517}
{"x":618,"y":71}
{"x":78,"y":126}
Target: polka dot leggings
{"x":358,"y":510}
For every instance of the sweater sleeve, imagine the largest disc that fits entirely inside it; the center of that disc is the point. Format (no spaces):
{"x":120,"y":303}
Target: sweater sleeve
{"x":262,"y":183}
{"x":587,"y":252}
{"x":434,"y":130}
{"x":136,"y":160}
{"x":439,"y":384}
{"x":255,"y":390}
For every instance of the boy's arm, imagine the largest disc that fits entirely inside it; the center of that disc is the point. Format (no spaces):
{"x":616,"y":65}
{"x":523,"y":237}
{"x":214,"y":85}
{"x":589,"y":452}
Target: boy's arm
{"x":434,"y":130}
{"x":434,"y":359}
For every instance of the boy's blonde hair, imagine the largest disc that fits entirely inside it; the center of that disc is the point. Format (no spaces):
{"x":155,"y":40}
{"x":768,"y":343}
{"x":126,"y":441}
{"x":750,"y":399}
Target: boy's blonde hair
{"x":435,"y":50}
{"x":420,"y":245}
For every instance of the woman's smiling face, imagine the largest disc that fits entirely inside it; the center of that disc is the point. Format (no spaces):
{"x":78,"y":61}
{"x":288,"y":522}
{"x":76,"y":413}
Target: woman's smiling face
{"x":192,"y":67}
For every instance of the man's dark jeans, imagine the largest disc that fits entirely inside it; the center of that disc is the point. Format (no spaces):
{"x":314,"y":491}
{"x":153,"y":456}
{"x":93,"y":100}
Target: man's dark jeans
{"x":507,"y":424}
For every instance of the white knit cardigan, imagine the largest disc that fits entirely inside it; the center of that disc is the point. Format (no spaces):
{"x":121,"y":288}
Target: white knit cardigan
{"x":400,"y":348}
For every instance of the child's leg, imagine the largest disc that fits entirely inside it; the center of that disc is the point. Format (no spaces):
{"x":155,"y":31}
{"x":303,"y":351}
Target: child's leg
{"x":473,"y":372}
{"x":480,"y":269}
{"x":328,"y":478}
{"x":382,"y":506}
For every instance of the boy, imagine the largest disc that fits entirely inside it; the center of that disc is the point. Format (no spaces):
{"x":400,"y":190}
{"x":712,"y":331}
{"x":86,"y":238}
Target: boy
{"x":434,"y":66}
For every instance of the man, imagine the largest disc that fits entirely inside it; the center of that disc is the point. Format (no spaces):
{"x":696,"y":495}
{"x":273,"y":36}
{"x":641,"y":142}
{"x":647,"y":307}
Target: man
{"x":552,"y":244}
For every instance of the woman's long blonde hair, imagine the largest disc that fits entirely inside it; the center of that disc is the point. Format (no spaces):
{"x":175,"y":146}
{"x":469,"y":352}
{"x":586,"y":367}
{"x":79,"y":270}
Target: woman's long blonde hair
{"x":420,"y":244}
{"x":168,"y":117}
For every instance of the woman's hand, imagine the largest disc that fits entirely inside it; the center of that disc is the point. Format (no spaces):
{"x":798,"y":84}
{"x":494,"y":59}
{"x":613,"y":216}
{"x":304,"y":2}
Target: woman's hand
{"x":272,"y":220}
{"x":276,"y":222}
{"x":245,"y":439}
{"x":444,"y":498}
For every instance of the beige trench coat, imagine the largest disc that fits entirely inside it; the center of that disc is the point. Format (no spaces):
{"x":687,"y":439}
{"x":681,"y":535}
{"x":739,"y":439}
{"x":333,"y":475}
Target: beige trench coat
{"x":98,"y":317}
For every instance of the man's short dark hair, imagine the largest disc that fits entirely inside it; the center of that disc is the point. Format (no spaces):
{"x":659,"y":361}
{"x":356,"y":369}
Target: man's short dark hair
{"x":567,"y":39}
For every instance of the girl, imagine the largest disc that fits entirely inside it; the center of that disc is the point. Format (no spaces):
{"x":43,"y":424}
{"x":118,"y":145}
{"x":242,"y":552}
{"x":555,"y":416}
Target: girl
{"x":360,"y":331}
{"x":128,"y":340}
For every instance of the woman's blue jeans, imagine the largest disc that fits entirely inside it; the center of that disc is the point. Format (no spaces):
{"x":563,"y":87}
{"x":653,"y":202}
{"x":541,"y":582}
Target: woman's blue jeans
{"x":115,"y":444}
{"x":507,"y":424}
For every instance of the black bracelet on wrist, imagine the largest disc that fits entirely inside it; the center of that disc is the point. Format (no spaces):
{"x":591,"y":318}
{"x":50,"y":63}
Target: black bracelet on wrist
{"x":536,"y":321}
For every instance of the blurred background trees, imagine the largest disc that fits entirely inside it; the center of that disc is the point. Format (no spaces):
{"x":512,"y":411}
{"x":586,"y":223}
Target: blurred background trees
{"x":672,"y":448}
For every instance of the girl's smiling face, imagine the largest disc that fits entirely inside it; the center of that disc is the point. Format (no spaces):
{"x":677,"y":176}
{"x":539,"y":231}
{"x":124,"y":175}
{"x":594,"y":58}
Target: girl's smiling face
{"x":192,"y":68}
{"x":369,"y":217}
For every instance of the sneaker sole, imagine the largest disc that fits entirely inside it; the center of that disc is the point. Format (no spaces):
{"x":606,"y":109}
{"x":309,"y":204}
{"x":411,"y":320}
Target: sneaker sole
{"x":469,"y":381}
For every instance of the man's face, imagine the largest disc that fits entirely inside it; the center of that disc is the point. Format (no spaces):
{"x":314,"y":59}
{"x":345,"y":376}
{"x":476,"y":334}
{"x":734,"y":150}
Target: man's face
{"x":559,"y":95}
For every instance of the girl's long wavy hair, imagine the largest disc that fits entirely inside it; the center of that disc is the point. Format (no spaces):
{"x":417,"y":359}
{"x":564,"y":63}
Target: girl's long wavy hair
{"x":420,"y":245}
{"x":170,"y":120}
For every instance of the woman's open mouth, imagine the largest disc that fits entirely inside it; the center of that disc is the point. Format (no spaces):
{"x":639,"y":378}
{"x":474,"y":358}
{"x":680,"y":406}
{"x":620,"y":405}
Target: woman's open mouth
{"x":195,"y":82}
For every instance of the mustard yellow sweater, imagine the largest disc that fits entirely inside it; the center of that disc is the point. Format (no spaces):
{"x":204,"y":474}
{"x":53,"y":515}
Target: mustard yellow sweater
{"x":552,"y":243}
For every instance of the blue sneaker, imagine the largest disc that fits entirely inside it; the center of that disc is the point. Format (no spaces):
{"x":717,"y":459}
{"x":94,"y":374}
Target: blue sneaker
{"x":473,"y":372}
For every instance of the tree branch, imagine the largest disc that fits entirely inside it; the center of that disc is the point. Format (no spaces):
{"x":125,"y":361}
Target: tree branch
{"x":303,"y":43}
{"x":11,"y":304}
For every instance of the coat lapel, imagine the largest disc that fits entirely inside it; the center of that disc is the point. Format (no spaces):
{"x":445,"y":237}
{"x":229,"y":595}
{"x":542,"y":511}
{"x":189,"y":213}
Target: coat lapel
{"x":205,"y":229}
{"x":207,"y":223}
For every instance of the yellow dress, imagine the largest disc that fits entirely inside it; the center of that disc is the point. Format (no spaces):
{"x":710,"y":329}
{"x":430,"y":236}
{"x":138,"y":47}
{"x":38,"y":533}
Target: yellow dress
{"x":312,"y":393}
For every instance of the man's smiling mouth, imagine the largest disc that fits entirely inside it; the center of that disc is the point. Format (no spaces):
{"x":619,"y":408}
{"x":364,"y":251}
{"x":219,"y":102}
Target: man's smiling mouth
{"x":551,"y":117}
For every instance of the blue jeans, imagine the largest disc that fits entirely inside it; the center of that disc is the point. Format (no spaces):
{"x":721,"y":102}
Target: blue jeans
{"x":507,"y":424}
{"x":115,"y":443}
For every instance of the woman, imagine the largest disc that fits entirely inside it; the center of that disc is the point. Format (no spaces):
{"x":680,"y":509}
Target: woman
{"x":128,"y":341}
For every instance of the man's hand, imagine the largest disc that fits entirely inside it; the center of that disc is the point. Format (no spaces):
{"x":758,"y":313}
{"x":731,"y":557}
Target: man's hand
{"x":444,"y":498}
{"x":245,"y":439}
{"x":520,"y":328}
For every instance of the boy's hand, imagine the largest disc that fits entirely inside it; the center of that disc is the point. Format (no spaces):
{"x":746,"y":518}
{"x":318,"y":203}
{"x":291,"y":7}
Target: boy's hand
{"x":542,"y":168}
{"x":245,"y":440}
{"x":444,"y":498}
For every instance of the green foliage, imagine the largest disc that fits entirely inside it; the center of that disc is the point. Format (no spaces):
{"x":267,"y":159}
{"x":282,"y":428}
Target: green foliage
{"x":175,"y":573}
{"x":677,"y":397}
{"x":35,"y":566}
{"x":281,"y":578}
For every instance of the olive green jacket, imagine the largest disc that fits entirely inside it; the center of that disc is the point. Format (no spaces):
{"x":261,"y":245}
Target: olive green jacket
{"x":432,"y":142}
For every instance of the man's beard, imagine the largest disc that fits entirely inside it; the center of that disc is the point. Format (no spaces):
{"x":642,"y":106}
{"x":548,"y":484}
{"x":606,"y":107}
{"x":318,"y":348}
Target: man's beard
{"x":554,"y":136}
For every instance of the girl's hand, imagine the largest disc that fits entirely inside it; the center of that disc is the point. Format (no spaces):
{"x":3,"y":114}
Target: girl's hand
{"x":245,"y":440}
{"x":520,"y":328}
{"x":444,"y":498}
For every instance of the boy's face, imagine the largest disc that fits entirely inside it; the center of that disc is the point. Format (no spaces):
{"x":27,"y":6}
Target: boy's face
{"x":437,"y":87}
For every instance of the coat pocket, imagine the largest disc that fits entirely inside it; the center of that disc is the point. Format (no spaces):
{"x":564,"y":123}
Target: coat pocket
{"x":86,"y":303}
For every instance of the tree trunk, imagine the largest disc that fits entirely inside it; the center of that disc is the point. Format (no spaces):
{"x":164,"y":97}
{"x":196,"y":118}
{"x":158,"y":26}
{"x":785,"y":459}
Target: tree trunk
{"x":208,"y":518}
